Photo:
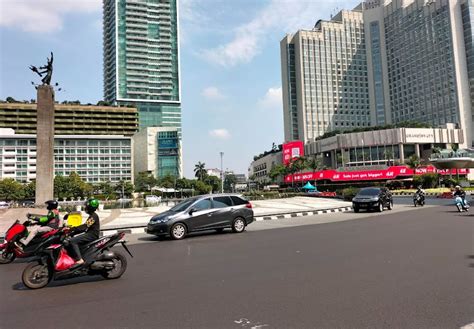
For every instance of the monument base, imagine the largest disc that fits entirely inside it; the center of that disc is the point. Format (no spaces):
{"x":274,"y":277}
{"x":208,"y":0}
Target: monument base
{"x":44,"y":145}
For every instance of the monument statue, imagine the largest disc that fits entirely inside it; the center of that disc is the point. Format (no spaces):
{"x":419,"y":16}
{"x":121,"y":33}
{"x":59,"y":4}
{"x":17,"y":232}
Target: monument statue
{"x":47,"y":69}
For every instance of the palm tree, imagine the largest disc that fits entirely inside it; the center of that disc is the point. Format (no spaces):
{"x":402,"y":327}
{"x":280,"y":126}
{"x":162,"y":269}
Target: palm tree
{"x":199,"y":170}
{"x":314,"y":164}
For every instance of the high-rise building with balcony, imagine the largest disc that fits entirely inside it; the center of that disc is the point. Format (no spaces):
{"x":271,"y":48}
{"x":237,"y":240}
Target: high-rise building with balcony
{"x":141,"y":61}
{"x":324,"y":77}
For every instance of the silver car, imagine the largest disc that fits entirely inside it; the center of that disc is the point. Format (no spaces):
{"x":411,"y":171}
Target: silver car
{"x":201,"y":213}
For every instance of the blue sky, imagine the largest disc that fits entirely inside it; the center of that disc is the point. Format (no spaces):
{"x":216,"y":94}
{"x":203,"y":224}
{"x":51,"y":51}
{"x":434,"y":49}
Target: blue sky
{"x":230,"y":65}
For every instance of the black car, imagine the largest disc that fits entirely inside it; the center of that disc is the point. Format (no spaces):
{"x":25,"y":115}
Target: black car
{"x":376,"y":198}
{"x":204,"y":212}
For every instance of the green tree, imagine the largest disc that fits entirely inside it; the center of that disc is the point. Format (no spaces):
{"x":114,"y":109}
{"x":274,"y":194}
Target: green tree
{"x":124,"y":189}
{"x":229,"y":182}
{"x":29,"y":190}
{"x":144,"y":181}
{"x":292,"y":168}
{"x":61,"y":187}
{"x":10,"y":189}
{"x":107,"y":190}
{"x":77,"y":186}
{"x":277,"y":171}
{"x":11,"y":100}
{"x":413,"y":162}
{"x":214,"y":182}
{"x":200,"y":170}
{"x":168,"y":181}
{"x":202,"y":188}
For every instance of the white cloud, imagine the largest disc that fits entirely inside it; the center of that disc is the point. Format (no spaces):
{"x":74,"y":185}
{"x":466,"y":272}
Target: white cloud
{"x":212,"y":93}
{"x":272,"y":99}
{"x":42,"y":15}
{"x":286,"y":15}
{"x":220,"y":133}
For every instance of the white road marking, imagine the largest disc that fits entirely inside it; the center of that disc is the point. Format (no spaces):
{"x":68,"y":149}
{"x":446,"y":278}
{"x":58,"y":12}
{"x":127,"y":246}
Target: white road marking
{"x":468,"y":326}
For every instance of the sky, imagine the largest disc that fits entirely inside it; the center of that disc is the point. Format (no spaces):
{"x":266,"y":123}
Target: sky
{"x":229,"y":61}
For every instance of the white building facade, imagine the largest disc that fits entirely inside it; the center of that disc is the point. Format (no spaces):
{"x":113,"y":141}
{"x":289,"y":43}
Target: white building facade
{"x":96,"y":158}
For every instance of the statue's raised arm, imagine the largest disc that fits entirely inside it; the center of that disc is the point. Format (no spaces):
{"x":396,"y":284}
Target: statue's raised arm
{"x":48,"y":70}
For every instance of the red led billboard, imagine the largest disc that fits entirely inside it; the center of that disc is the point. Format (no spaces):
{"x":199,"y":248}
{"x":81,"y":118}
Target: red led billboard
{"x":292,"y":150}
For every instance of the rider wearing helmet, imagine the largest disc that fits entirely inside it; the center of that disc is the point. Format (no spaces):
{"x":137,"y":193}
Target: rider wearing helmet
{"x":45,"y":223}
{"x":420,"y":192}
{"x":458,"y":191}
{"x":90,"y":230}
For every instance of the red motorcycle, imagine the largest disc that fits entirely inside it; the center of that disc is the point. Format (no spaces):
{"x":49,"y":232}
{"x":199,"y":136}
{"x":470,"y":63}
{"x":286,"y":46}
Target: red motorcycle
{"x":9,"y":250}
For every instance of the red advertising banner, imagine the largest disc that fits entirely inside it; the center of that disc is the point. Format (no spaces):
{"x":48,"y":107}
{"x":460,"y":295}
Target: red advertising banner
{"x":383,"y":174}
{"x":292,"y":150}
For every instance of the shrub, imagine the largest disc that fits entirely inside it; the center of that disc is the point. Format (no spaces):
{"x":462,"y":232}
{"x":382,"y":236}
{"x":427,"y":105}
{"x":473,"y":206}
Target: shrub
{"x":349,"y":192}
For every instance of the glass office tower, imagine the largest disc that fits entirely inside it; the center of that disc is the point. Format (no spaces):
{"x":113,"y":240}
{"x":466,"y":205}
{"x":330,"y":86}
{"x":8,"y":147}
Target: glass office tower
{"x":141,"y":60}
{"x":421,"y":62}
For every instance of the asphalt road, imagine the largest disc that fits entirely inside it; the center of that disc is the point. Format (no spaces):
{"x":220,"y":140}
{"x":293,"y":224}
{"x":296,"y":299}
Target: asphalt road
{"x":403,"y":269}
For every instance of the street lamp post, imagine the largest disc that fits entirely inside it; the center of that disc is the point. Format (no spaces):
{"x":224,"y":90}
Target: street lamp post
{"x":222,"y":173}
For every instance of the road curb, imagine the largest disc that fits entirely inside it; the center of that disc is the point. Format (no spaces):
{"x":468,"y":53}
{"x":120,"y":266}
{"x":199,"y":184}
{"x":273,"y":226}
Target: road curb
{"x":141,"y":229}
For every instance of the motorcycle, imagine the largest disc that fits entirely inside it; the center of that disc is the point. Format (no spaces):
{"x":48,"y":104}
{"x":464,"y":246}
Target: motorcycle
{"x":9,"y":250}
{"x":461,"y":204}
{"x":54,"y":262}
{"x":418,"y":199}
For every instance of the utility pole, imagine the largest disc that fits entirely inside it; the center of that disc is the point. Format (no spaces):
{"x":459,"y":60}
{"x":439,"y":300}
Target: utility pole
{"x":222,"y":173}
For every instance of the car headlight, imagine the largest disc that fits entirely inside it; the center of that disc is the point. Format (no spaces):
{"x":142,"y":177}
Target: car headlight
{"x":159,"y":221}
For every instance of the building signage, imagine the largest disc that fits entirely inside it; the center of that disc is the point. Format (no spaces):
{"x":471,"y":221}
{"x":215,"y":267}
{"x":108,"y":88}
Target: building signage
{"x":419,"y":135}
{"x":384,"y":174}
{"x":292,"y":150}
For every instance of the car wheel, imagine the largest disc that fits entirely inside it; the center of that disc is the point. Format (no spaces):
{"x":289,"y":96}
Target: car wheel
{"x":238,"y":225}
{"x":390,"y":205}
{"x":356,"y":209}
{"x":380,"y":208}
{"x":178,"y":231}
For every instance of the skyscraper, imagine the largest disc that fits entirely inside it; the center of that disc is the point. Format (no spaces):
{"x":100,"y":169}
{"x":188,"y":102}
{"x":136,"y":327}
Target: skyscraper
{"x":141,"y":61}
{"x":383,"y":62}
{"x":324,"y":77}
{"x":421,"y":62}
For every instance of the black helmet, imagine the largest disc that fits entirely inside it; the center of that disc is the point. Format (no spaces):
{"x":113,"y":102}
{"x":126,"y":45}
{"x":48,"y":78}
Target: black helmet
{"x":51,"y":204}
{"x":92,"y":205}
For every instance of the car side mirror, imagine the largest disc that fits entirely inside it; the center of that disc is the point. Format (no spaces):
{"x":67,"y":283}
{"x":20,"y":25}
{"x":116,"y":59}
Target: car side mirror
{"x":192,"y":210}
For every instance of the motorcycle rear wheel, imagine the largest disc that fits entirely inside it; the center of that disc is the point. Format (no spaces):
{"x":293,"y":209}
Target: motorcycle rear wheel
{"x":7,"y":258}
{"x":120,"y":262}
{"x":36,"y":275}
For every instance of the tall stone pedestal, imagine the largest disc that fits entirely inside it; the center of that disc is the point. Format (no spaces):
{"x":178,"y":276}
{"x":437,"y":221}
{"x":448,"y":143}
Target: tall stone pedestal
{"x":44,"y":145}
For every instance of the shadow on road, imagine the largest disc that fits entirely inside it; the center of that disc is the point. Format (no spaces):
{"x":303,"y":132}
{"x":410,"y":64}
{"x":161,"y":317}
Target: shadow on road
{"x":55,"y":284}
{"x":188,"y":236}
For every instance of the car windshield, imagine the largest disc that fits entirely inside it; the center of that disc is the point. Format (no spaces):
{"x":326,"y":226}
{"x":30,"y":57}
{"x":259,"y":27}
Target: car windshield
{"x":369,"y":191}
{"x":183,"y":205}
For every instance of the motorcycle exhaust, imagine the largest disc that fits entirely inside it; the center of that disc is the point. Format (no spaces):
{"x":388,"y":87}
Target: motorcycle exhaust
{"x":102,"y":265}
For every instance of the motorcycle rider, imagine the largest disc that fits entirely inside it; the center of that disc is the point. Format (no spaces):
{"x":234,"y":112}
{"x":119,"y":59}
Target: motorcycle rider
{"x":44,"y":224}
{"x":458,"y":191}
{"x":90,"y":231}
{"x":420,"y":192}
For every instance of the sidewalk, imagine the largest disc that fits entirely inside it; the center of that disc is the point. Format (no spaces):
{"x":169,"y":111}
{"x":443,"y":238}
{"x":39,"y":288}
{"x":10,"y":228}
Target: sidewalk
{"x":138,"y":218}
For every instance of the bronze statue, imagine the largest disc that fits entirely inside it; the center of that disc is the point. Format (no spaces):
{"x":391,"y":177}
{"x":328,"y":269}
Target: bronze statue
{"x":48,"y":69}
